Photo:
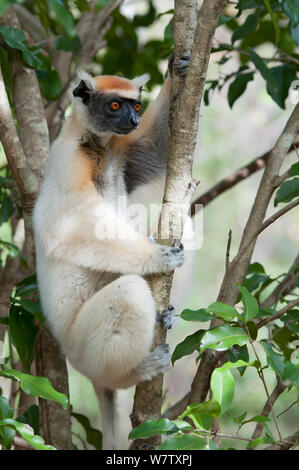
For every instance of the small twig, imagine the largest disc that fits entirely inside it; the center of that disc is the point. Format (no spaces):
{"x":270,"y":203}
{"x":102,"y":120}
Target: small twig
{"x":287,"y":409}
{"x":80,"y":439}
{"x":279,"y":388}
{"x":278,"y":314}
{"x":233,"y":179}
{"x":261,"y":374}
{"x":262,"y":227}
{"x":228,"y":249}
{"x":286,"y":285}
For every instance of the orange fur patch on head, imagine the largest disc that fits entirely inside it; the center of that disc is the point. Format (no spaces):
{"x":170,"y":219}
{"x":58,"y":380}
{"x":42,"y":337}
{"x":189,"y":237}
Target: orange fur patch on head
{"x":118,"y":85}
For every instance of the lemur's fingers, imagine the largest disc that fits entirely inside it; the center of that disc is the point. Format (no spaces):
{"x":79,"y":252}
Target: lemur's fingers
{"x":168,"y":318}
{"x":165,"y":259}
{"x":181,"y":65}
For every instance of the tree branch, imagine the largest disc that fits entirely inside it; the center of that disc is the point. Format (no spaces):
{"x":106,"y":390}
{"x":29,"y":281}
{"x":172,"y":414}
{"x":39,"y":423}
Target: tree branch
{"x":183,"y":122}
{"x":278,"y":314}
{"x":279,"y":388}
{"x":26,"y":160}
{"x":233,"y":179}
{"x":262,"y":227}
{"x":286,"y":286}
{"x":287,"y":443}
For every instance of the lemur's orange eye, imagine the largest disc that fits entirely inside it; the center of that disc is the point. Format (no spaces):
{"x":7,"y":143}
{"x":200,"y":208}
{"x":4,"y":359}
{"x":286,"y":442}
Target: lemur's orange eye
{"x":114,"y":105}
{"x":137,"y":107}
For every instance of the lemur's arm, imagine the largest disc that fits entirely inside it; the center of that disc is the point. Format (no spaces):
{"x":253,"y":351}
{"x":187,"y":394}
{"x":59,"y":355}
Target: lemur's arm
{"x":148,"y":145}
{"x":123,"y":251}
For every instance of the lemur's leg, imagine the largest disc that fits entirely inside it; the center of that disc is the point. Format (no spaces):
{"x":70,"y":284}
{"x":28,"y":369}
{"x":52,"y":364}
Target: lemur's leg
{"x":113,"y":332}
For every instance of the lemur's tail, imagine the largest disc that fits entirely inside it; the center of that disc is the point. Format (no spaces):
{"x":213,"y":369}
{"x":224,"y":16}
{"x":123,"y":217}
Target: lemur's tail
{"x":107,"y":401}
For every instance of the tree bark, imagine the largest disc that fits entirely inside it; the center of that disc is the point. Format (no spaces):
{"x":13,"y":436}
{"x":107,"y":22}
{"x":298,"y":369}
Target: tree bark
{"x":26,"y":157}
{"x":185,"y":102}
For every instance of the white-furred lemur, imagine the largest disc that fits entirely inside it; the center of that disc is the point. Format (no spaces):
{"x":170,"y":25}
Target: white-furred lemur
{"x":93,"y":294}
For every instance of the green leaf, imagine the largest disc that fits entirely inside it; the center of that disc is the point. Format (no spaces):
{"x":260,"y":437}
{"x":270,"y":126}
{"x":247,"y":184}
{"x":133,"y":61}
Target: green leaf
{"x":257,"y":419}
{"x":256,"y":268}
{"x":236,"y":353}
{"x":238,"y":86}
{"x":16,"y":39}
{"x":31,"y":417}
{"x":223,"y":387}
{"x":36,"y":441}
{"x":259,"y":441}
{"x":65,"y":43}
{"x":36,"y":386}
{"x":200,"y":315}
{"x":32,"y":307}
{"x":182,"y":442}
{"x":287,"y":191}
{"x":239,"y":419}
{"x":93,"y":436}
{"x":63,"y":16}
{"x":246,"y":28}
{"x":252,"y":328}
{"x":188,"y":346}
{"x":286,"y":369}
{"x":6,"y":209}
{"x":210,"y":407}
{"x":26,"y":286}
{"x":4,"y":5}
{"x":250,"y":304}
{"x":284,"y":76}
{"x":23,"y":333}
{"x":223,"y":384}
{"x":50,"y":83}
{"x":226,"y":312}
{"x":275,"y":25}
{"x":274,"y":360}
{"x":13,"y":249}
{"x":151,"y":428}
{"x":101,"y":4}
{"x":294,"y":170}
{"x":6,"y":434}
{"x":223,"y":337}
{"x":265,"y":71}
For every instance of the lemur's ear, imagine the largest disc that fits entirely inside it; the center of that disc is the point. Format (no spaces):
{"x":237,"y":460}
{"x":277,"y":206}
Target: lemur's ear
{"x":141,"y":80}
{"x":83,"y":91}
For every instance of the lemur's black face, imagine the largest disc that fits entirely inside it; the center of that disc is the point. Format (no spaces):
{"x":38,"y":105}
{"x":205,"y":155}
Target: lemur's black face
{"x":109,"y":112}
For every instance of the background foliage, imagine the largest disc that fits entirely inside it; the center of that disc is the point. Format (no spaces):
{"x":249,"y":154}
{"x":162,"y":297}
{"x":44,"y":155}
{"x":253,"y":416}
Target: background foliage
{"x":257,"y":41}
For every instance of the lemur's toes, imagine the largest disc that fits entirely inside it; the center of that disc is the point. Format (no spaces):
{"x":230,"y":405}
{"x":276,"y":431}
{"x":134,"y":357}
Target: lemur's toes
{"x":168,"y":318}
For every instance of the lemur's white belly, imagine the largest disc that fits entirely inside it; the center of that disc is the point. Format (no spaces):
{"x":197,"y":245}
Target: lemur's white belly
{"x":65,"y":287}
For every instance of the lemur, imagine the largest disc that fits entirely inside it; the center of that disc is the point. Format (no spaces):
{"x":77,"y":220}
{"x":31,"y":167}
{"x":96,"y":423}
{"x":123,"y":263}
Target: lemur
{"x":93,"y":294}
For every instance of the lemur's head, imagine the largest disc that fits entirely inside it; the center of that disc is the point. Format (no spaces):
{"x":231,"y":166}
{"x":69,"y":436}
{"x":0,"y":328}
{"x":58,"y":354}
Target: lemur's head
{"x":110,"y":103}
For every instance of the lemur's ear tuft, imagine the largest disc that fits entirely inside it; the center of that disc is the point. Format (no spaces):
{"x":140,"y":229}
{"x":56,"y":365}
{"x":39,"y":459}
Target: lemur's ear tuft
{"x":141,"y":80}
{"x":82,"y":91}
{"x":85,"y":87}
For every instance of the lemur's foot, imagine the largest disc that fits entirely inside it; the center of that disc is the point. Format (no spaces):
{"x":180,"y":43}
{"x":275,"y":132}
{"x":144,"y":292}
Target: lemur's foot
{"x":180,"y":65}
{"x":161,"y":357}
{"x":168,"y":318}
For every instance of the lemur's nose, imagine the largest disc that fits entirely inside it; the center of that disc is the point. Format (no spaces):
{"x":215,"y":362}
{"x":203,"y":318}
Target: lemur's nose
{"x":134,"y":121}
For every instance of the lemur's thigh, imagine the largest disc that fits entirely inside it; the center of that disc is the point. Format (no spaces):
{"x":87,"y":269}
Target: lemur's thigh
{"x":113,"y":331}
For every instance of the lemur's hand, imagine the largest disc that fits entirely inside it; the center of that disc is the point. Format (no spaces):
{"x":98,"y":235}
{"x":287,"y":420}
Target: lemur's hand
{"x":164,"y":259}
{"x":180,"y":65}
